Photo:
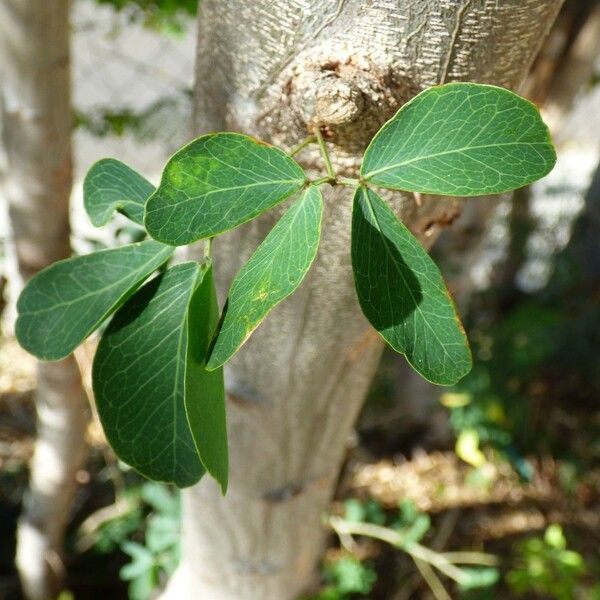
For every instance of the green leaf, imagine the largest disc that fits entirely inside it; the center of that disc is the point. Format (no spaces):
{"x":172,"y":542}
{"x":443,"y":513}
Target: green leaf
{"x":216,"y":183}
{"x":160,"y":498}
{"x":142,"y":560}
{"x":139,"y":379}
{"x":64,"y":303}
{"x":273,"y":272}
{"x":403,"y":295}
{"x":480,"y":577}
{"x":461,"y":139}
{"x":205,"y":391}
{"x":110,"y":186}
{"x":162,"y":533}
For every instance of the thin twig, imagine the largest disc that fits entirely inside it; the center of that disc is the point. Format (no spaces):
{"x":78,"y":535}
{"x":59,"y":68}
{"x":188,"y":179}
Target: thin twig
{"x":395,"y":538}
{"x":88,"y":529}
{"x":433,"y":581}
{"x":445,"y":529}
{"x":471,"y":558}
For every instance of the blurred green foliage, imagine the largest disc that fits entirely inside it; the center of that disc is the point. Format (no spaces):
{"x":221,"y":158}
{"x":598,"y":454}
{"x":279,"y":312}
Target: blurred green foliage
{"x":546,"y":567}
{"x":147,"y":530}
{"x":348,"y":576}
{"x":537,"y":365}
{"x":407,"y":520}
{"x":167,"y":16}
{"x":145,"y":125}
{"x":154,"y":559}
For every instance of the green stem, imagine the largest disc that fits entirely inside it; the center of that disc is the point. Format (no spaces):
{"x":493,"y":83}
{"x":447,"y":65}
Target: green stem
{"x":348,"y":181}
{"x":309,"y":140}
{"x":433,"y":581}
{"x":471,"y":558}
{"x":321,"y":180}
{"x":325,"y":154}
{"x":395,"y":538}
{"x":208,"y":247}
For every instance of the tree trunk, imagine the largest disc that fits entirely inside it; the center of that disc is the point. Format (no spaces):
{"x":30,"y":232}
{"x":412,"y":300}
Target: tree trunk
{"x":37,"y":123}
{"x":275,"y":69}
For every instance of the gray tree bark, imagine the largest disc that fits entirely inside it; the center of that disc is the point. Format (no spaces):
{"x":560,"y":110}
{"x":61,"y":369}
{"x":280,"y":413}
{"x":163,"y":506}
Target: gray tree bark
{"x":37,"y":123}
{"x":277,"y":69}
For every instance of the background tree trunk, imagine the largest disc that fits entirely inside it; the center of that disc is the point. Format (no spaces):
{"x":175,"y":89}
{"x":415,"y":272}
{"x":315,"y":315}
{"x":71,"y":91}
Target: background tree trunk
{"x":275,"y":69}
{"x":37,"y":124}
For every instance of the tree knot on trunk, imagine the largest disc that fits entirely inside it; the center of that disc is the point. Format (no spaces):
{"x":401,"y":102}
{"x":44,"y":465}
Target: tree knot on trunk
{"x":348,"y":92}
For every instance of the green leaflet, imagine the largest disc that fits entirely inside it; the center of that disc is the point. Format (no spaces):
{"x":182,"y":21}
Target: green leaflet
{"x":64,"y":303}
{"x":273,"y":272}
{"x":110,"y":186}
{"x":461,"y":139}
{"x":204,"y":390}
{"x":216,"y":183}
{"x":403,"y":295}
{"x":141,"y":376}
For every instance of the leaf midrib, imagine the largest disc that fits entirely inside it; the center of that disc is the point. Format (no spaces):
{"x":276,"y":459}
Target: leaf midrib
{"x":91,"y":293}
{"x":268,"y":263}
{"x":446,"y":152}
{"x":204,"y":195}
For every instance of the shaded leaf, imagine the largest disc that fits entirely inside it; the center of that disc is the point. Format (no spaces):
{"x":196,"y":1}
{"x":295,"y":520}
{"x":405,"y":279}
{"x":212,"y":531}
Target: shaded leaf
{"x":139,"y":379}
{"x":461,"y":139}
{"x":205,"y":391}
{"x":402,"y":293}
{"x":64,"y":303}
{"x":110,"y":186}
{"x":216,"y":183}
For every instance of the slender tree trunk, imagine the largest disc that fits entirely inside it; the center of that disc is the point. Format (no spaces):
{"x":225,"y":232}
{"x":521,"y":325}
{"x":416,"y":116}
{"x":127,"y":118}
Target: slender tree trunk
{"x":37,"y":123}
{"x":275,"y":69}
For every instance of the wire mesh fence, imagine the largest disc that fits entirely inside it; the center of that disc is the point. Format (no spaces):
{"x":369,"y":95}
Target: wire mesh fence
{"x":132,"y":89}
{"x":131,"y":99}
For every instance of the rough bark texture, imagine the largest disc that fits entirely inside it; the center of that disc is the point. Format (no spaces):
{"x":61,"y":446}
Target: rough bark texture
{"x":275,"y":69}
{"x":37,"y":123}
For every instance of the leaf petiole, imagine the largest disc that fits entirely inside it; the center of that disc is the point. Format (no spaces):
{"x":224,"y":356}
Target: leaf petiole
{"x":296,"y":149}
{"x":208,"y":244}
{"x":325,"y":154}
{"x":322,"y":180}
{"x":348,"y":181}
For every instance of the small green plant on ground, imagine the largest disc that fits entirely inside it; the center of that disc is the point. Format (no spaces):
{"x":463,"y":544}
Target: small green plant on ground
{"x":144,"y":523}
{"x":154,"y":560}
{"x":405,"y":531}
{"x":546,"y":567}
{"x":346,"y":577}
{"x":158,"y":369}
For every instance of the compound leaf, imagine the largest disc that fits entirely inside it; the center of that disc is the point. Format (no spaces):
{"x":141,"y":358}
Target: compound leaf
{"x":461,"y":139}
{"x":402,"y":293}
{"x":64,"y":303}
{"x":216,"y":183}
{"x":139,"y":379}
{"x":205,"y":391}
{"x":110,"y":186}
{"x":272,"y":273}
